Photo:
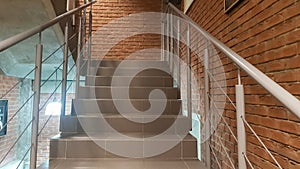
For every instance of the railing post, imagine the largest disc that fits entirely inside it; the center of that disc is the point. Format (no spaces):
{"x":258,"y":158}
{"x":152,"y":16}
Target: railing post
{"x":90,"y":40}
{"x":171,"y":43}
{"x":78,"y":60}
{"x":36,"y":103}
{"x":178,"y":53}
{"x":163,"y":39}
{"x":168,"y":36}
{"x":189,"y":69}
{"x":207,"y":107}
{"x":240,"y":113}
{"x":64,"y":74}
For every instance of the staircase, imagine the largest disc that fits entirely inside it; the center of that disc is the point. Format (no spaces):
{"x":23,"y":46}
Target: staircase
{"x":96,"y":129}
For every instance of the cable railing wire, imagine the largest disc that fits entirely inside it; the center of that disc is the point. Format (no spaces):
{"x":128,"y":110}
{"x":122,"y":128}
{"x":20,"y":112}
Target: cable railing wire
{"x":17,"y":112}
{"x":15,"y":85}
{"x":230,"y":160}
{"x":215,"y":156}
{"x":24,"y":157}
{"x":261,"y":142}
{"x":48,"y":57}
{"x":52,"y":94}
{"x":13,"y":145}
{"x":219,"y":86}
{"x":227,"y":125}
{"x":248,"y":161}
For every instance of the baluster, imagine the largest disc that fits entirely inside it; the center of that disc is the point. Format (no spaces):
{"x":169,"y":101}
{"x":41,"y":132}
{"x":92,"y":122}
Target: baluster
{"x":36,"y":103}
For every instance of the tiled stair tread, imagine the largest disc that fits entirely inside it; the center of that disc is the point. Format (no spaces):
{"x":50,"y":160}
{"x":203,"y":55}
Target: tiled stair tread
{"x":128,"y":99}
{"x":120,"y":163}
{"x":113,"y":136}
{"x":130,"y":87}
{"x":133,"y":115}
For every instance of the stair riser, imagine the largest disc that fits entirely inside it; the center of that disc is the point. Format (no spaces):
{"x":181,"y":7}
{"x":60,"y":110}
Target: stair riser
{"x":134,"y":93}
{"x":141,"y":125}
{"x":85,"y":107}
{"x":68,"y":149}
{"x":128,"y":63}
{"x":128,"y":72}
{"x":137,"y":81}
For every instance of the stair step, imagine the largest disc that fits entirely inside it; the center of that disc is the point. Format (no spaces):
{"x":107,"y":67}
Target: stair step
{"x":105,"y":92}
{"x":145,"y":81}
{"x":119,"y":163}
{"x":86,"y":106}
{"x":135,"y":123}
{"x":128,"y":63}
{"x":111,"y":71}
{"x":139,"y":145}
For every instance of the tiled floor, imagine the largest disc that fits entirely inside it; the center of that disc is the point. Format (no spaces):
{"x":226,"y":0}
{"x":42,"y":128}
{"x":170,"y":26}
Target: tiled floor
{"x":122,"y":164}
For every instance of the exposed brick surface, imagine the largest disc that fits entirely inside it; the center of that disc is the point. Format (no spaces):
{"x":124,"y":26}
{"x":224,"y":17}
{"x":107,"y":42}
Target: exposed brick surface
{"x":107,"y":11}
{"x":12,"y":129}
{"x":266,"y":33}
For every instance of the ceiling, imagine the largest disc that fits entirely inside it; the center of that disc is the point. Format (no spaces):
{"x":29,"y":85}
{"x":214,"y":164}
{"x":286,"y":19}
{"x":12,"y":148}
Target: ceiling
{"x":17,"y":16}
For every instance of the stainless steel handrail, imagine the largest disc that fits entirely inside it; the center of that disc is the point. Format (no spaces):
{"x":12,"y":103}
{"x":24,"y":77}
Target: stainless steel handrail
{"x":282,"y":95}
{"x":5,"y":44}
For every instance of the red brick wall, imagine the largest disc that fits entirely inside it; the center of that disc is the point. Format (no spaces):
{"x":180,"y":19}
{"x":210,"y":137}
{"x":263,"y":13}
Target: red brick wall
{"x":266,"y":33}
{"x":51,"y":129}
{"x":12,"y":129}
{"x":106,"y":11}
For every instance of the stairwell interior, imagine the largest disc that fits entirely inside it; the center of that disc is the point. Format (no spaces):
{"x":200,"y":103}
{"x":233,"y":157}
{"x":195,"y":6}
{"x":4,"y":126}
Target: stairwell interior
{"x":86,"y":134}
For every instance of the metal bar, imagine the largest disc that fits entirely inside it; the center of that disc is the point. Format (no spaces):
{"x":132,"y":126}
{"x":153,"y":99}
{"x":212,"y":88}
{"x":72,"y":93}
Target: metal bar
{"x":226,"y":153}
{"x":260,"y":141}
{"x":36,"y":104}
{"x":178,"y":53}
{"x":24,"y":156}
{"x":248,"y":161}
{"x":168,"y":37}
{"x":206,"y":104}
{"x":78,"y":60}
{"x":17,"y":112}
{"x":15,"y":85}
{"x":220,"y":115}
{"x":287,"y":99}
{"x":24,"y":35}
{"x":90,"y":41}
{"x":13,"y":145}
{"x":241,"y":132}
{"x":171,"y":44}
{"x":64,"y":73}
{"x":53,"y":53}
{"x":189,"y":83}
{"x":214,"y":154}
{"x":222,"y":90}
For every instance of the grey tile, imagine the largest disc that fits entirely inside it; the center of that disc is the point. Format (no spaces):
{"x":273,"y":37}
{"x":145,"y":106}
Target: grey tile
{"x":57,"y":149}
{"x":85,"y":149}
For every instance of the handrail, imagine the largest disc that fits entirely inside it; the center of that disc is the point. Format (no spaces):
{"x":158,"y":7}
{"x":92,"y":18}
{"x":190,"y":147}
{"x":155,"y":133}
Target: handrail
{"x":286,"y":98}
{"x":5,"y":44}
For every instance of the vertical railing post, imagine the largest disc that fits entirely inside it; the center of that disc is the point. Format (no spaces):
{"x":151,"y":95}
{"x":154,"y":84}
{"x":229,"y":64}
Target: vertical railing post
{"x":78,"y":60}
{"x":90,"y":40}
{"x":179,"y":55}
{"x":189,"y":69}
{"x":240,"y":113}
{"x":168,"y":36}
{"x":171,"y":43}
{"x":163,"y":38}
{"x":64,"y":74}
{"x":36,"y":103}
{"x":207,"y":107}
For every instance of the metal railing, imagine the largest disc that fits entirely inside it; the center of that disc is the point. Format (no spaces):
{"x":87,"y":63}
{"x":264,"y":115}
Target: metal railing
{"x":84,"y":41}
{"x":186,"y":40}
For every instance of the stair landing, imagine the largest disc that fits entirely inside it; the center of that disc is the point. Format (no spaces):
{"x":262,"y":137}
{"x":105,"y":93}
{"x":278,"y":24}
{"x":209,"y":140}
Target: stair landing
{"x":121,"y":164}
